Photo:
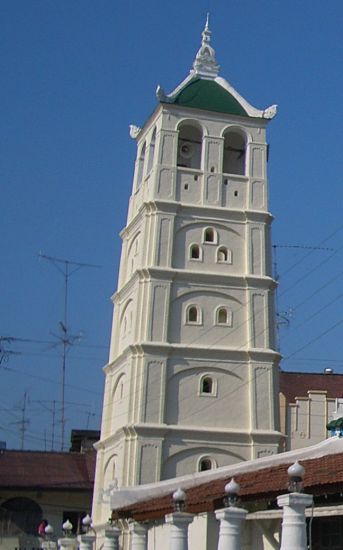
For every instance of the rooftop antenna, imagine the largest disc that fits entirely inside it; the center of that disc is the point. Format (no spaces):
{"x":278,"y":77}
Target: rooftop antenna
{"x":67,"y":268}
{"x":23,"y":423}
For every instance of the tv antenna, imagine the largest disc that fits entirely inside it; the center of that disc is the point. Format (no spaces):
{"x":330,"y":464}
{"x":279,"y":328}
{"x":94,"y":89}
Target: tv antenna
{"x":23,"y":423}
{"x":67,"y":268}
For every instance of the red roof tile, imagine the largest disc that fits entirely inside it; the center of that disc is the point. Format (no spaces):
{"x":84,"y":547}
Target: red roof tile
{"x":297,"y":384}
{"x":322,"y":475}
{"x":35,"y":469}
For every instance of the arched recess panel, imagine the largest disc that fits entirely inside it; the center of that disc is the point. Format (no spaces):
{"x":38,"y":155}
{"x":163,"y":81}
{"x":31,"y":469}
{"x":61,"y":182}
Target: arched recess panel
{"x":234,"y":156}
{"x":182,"y":462}
{"x":256,"y":251}
{"x":154,"y":391}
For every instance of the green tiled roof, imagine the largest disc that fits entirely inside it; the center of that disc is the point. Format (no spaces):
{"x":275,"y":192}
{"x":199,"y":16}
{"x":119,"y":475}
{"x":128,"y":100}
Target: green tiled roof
{"x":209,"y":96}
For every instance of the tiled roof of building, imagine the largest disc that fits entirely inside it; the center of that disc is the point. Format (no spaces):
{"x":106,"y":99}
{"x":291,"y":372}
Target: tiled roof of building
{"x":47,"y":470}
{"x":323,"y":475}
{"x":298,"y":384}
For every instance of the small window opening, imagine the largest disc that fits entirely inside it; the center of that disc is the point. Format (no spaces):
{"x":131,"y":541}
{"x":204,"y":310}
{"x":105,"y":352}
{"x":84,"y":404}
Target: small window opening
{"x":226,"y":182}
{"x":192,"y":316}
{"x":222,"y":254}
{"x":207,"y":385}
{"x":212,"y":169}
{"x":209,"y":235}
{"x":205,"y":464}
{"x":195,"y":252}
{"x":186,"y":186}
{"x":236,"y":193}
{"x":195,"y":178}
{"x":222,"y":316}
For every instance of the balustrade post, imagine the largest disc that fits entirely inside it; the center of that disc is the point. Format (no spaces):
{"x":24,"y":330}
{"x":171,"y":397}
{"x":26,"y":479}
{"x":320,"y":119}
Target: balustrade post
{"x":293,"y":536}
{"x":138,"y":536}
{"x":86,"y":541}
{"x":111,"y":539}
{"x":178,"y":523}
{"x":67,"y":543}
{"x":178,"y":530}
{"x":230,"y":519}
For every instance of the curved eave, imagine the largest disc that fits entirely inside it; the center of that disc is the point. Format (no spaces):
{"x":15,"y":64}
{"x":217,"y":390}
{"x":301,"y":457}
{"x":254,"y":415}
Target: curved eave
{"x":224,"y":98}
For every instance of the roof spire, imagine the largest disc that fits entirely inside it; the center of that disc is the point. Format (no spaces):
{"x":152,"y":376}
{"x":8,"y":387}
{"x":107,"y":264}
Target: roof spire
{"x":205,"y":64}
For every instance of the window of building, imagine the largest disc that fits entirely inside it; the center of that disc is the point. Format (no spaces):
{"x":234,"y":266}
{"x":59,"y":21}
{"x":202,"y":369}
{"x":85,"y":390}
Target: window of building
{"x":224,"y":316}
{"x":224,"y":255}
{"x":193,"y":315}
{"x":189,"y":146}
{"x":206,"y":463}
{"x":207,"y":385}
{"x":210,"y":235}
{"x":234,"y":153}
{"x":195,"y":252}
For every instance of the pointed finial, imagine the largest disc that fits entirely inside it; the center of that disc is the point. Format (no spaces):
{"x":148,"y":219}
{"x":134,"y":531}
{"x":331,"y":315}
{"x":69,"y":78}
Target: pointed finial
{"x":205,"y":62}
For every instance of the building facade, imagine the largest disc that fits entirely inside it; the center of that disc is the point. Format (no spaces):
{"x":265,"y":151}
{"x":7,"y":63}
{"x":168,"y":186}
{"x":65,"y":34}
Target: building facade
{"x":191,"y":382}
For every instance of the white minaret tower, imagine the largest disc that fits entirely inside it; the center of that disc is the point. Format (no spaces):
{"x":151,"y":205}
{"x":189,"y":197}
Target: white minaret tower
{"x":191,"y":382}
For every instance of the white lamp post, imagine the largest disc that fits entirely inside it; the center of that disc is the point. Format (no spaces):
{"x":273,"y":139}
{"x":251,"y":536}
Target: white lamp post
{"x":86,"y":540}
{"x":293,"y":522}
{"x":68,"y":542}
{"x":48,"y":543}
{"x":179,"y":522}
{"x":230,"y":519}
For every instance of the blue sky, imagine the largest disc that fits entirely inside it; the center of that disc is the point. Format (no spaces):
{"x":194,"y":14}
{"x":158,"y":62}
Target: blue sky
{"x":75,"y":74}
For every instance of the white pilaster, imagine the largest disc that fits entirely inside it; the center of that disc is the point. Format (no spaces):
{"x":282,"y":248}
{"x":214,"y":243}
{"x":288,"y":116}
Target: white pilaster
{"x":112,"y":539}
{"x":230,"y":527}
{"x":293,"y":535}
{"x":178,"y":530}
{"x":138,"y":536}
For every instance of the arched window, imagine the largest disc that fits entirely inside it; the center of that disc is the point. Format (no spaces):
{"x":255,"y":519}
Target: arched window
{"x":193,"y":315}
{"x":195,"y":252}
{"x":224,"y":255}
{"x":234,"y":153}
{"x":205,"y":463}
{"x":210,"y":235}
{"x":189,"y":147}
{"x":224,"y":316}
{"x":151,"y":151}
{"x":206,"y":384}
{"x":140,"y":168}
